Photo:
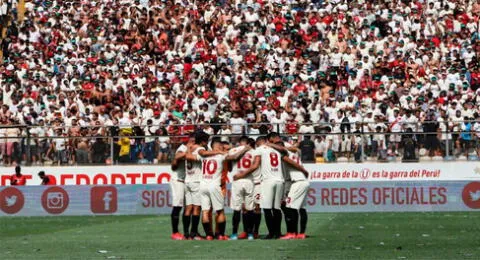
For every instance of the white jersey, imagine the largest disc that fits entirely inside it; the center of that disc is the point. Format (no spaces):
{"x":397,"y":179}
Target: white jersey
{"x":292,"y":173}
{"x":179,"y":173}
{"x":212,"y":168}
{"x":271,"y":163}
{"x":243,"y":163}
{"x":194,"y":169}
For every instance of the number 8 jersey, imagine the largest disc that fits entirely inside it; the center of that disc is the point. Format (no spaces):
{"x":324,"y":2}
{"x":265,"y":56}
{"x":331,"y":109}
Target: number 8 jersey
{"x":212,"y":168}
{"x":271,"y":164}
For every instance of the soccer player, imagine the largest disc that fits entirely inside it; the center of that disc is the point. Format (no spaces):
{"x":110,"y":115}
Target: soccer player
{"x":46,"y":179}
{"x":18,"y":179}
{"x":242,"y":190}
{"x":296,"y":190}
{"x":192,"y":184}
{"x":257,"y":190}
{"x":177,"y":186}
{"x":269,"y":161}
{"x":210,"y":187}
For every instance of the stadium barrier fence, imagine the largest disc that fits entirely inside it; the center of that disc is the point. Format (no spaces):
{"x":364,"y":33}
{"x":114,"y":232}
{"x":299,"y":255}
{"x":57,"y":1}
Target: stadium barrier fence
{"x":349,"y":142}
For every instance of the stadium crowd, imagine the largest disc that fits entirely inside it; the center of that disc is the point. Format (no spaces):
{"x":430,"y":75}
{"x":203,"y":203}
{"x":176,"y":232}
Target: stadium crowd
{"x":163,"y":69}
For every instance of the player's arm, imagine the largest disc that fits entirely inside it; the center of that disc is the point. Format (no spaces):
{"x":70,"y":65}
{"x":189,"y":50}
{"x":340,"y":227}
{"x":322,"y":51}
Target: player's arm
{"x":13,"y":181}
{"x":255,"y":165}
{"x":205,"y":153}
{"x":281,"y":149}
{"x":178,"y":157}
{"x":189,"y":156}
{"x":238,"y":155}
{"x":295,"y":165}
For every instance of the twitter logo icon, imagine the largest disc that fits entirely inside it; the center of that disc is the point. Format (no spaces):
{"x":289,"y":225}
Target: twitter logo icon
{"x":474,"y":196}
{"x":10,"y":201}
{"x":471,"y":195}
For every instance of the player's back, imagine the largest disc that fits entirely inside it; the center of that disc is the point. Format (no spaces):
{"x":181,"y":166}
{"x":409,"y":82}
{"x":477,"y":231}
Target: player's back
{"x":242,"y":164}
{"x":292,"y":173}
{"x":179,"y":173}
{"x":194,"y":168}
{"x":271,"y":164}
{"x":212,"y":169}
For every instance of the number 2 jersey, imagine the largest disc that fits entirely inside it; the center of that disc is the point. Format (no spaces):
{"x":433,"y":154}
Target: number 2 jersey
{"x":212,"y":169}
{"x":194,"y":168}
{"x":271,"y":167}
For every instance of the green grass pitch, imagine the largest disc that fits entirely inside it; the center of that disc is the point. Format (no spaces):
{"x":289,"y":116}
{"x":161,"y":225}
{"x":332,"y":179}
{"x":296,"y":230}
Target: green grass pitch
{"x":332,"y":236}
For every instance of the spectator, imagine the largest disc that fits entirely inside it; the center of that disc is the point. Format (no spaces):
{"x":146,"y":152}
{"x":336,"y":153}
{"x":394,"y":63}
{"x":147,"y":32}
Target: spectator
{"x":164,"y":144}
{"x":430,"y":127}
{"x":465,"y":140}
{"x":307,"y":148}
{"x":124,"y":142}
{"x":409,"y":146}
{"x":149,"y":148}
{"x":224,"y":132}
{"x":99,"y":151}
{"x":114,"y":64}
{"x":378,"y":144}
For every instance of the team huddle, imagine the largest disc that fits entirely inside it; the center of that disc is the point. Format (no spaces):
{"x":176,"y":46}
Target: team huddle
{"x":267,"y":175}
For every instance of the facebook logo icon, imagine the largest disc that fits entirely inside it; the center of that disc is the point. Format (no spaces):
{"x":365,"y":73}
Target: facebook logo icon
{"x":103,"y":199}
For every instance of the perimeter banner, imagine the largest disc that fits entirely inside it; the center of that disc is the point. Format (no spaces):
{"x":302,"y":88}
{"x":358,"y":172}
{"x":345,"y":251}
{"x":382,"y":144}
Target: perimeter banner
{"x":334,"y":172}
{"x":322,"y":197}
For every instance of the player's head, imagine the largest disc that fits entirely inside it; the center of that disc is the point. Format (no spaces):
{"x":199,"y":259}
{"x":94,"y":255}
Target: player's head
{"x":243,"y":140}
{"x":191,"y":139}
{"x":201,"y":138}
{"x":226,"y":145}
{"x":251,"y":142}
{"x":18,"y":170}
{"x":261,"y":140}
{"x":216,"y":144}
{"x":41,"y":174}
{"x":274,"y":137}
{"x":280,"y":143}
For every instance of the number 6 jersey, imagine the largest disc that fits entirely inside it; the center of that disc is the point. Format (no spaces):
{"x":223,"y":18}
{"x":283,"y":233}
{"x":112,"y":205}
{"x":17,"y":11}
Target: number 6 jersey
{"x":243,"y":163}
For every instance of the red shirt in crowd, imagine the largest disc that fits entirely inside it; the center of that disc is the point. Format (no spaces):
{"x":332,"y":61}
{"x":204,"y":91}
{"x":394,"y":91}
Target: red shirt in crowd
{"x":291,"y":127}
{"x":18,"y":180}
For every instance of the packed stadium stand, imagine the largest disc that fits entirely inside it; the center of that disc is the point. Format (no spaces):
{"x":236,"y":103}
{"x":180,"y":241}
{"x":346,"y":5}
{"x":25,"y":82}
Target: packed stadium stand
{"x":92,"y":81}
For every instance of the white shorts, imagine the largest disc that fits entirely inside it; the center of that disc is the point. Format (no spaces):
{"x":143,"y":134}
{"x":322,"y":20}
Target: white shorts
{"x":272,"y":193}
{"x":211,"y":197}
{"x":297,"y":197}
{"x":395,"y":138}
{"x":257,"y":193}
{"x":177,"y":190}
{"x":192,"y":193}
{"x":242,"y":193}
